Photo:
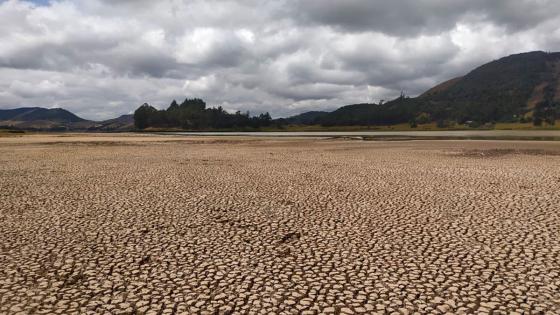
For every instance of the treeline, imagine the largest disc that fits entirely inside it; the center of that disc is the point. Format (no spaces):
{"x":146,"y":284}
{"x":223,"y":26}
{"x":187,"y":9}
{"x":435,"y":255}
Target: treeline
{"x":402,"y":110}
{"x":192,"y":114}
{"x":416,"y":111}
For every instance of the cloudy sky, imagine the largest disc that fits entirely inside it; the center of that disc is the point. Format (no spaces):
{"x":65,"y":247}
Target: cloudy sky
{"x":104,"y":58}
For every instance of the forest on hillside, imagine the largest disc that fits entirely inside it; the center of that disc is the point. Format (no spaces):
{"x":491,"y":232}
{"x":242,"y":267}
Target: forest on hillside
{"x":499,"y":91}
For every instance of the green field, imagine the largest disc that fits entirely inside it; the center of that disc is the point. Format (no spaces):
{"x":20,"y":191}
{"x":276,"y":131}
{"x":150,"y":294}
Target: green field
{"x":8,"y":132}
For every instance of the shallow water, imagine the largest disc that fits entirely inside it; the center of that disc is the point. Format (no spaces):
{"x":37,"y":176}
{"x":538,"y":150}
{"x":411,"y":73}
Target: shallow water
{"x":490,"y":134}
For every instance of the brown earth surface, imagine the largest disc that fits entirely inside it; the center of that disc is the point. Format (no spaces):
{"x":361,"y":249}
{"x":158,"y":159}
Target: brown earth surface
{"x":125,"y":224}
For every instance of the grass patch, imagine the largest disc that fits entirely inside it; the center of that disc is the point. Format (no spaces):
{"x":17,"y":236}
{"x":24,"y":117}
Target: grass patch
{"x":526,"y":126}
{"x":10,"y":132}
{"x":407,"y":127}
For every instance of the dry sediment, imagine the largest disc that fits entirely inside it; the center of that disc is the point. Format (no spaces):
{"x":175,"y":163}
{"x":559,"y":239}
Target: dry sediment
{"x":139,"y":224}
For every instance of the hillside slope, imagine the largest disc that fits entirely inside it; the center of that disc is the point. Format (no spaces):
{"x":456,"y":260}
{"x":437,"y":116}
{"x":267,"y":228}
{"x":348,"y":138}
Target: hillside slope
{"x":37,"y":118}
{"x":121,"y":123}
{"x":510,"y":89}
{"x":307,"y":118}
{"x":39,"y":114}
{"x":499,"y":90}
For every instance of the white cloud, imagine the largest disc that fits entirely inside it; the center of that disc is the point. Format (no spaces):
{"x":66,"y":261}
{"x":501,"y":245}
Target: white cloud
{"x":201,"y":84}
{"x":103,"y":58}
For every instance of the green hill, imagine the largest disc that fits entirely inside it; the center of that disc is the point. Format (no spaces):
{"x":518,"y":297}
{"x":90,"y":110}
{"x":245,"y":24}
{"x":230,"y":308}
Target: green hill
{"x":307,"y":118}
{"x":520,"y":87}
{"x":38,"y":113}
{"x":58,"y":119}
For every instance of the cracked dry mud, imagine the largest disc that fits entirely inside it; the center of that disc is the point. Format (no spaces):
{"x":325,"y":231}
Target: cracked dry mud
{"x":173,"y":225}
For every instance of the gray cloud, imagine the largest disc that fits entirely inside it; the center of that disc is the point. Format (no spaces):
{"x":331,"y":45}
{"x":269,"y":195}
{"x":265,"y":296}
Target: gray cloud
{"x":410,"y":18}
{"x":103,"y":58}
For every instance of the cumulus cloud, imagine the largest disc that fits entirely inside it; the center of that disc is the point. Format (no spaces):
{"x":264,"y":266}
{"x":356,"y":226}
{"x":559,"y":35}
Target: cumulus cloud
{"x":410,"y":18}
{"x":102,"y":58}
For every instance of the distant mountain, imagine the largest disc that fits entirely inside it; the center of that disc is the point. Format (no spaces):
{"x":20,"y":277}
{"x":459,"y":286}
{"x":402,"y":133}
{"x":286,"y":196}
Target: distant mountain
{"x":37,"y":113}
{"x":498,"y":90}
{"x":307,"y":118}
{"x":121,"y":123}
{"x":520,"y":87}
{"x":37,"y":118}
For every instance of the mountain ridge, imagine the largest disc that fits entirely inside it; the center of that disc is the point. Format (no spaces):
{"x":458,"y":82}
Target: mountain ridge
{"x":518,"y":88}
{"x":39,"y":118}
{"x":39,"y":113}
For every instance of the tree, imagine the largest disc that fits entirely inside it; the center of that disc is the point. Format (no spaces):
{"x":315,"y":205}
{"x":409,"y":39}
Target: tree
{"x":442,"y":123}
{"x":550,"y":114}
{"x":194,"y":104}
{"x":423,"y":118}
{"x":537,"y":121}
{"x":265,"y":119}
{"x":173,"y":106}
{"x":143,"y":116}
{"x":545,"y":111}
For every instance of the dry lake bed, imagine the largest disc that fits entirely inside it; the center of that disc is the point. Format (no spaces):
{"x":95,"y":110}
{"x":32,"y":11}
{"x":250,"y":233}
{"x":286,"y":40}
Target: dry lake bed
{"x":153,"y":224}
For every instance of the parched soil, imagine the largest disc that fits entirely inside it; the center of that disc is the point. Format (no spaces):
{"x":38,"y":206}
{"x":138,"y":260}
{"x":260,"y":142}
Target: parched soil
{"x":124,"y":224}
